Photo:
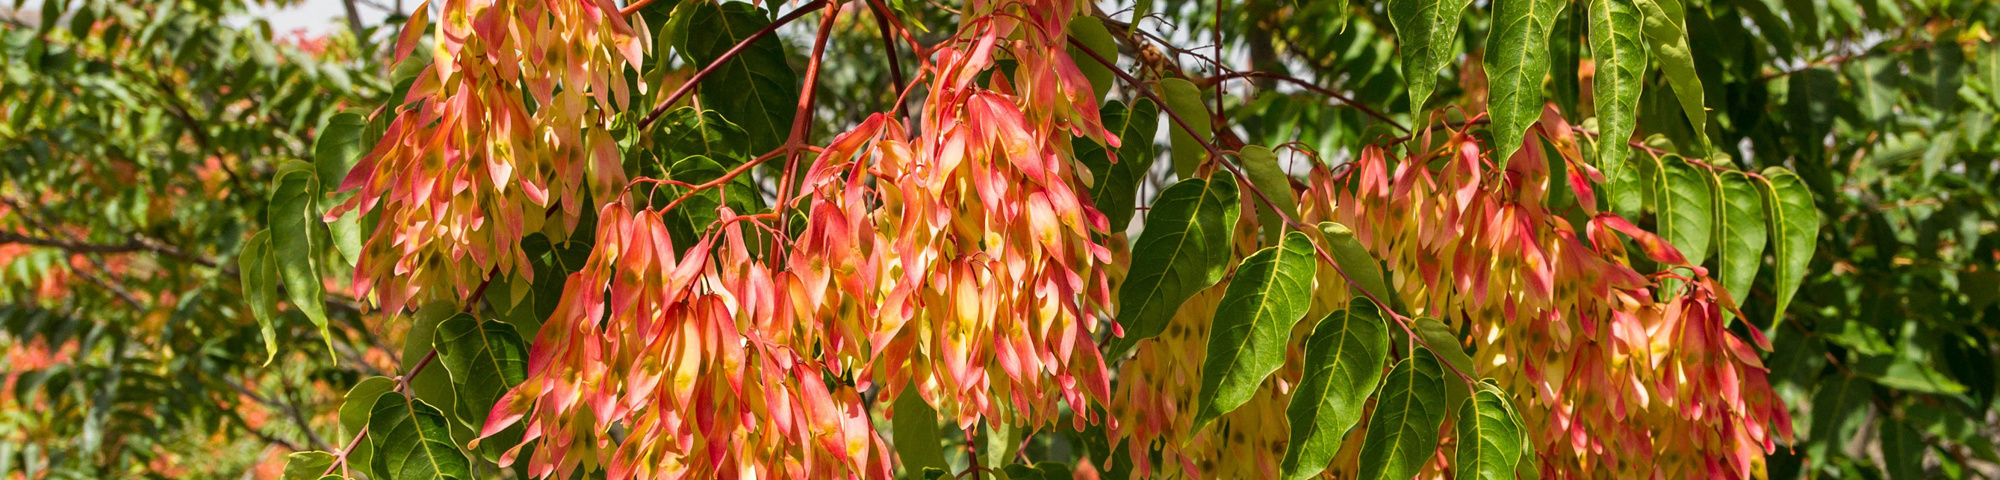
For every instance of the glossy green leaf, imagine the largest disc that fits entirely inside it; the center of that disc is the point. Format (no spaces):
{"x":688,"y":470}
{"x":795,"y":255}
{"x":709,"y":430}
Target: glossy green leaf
{"x":1490,"y":441}
{"x":1343,"y":365}
{"x":1685,"y":215}
{"x":354,"y":411}
{"x":1403,"y":431}
{"x":484,"y":359}
{"x":1443,"y":342}
{"x":1185,"y":101}
{"x":1794,"y":228}
{"x":412,"y":441}
{"x":684,"y":132}
{"x":1517,"y":60}
{"x":756,"y":89}
{"x":338,"y":146}
{"x":1361,"y":269}
{"x":1116,"y":188}
{"x":1270,"y":292}
{"x":1090,"y":32}
{"x":915,"y":426}
{"x":1427,"y":33}
{"x":1620,"y":54}
{"x":258,"y":271}
{"x":1184,"y":249}
{"x":1739,"y":232}
{"x":297,"y":241}
{"x":307,"y":465}
{"x":1261,"y":165}
{"x":1666,"y":36}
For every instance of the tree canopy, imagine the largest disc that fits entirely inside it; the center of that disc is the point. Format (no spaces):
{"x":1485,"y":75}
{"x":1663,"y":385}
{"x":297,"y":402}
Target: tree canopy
{"x":1001,"y":239}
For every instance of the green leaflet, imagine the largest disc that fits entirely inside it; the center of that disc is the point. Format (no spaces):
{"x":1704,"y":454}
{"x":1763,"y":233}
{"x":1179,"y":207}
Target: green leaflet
{"x":1343,"y":364}
{"x":1620,"y":77}
{"x":1261,"y":165}
{"x":1794,"y":224}
{"x":1517,"y":60}
{"x":1184,"y":101}
{"x":259,"y":273}
{"x":412,"y":441}
{"x":1403,"y":431}
{"x":1839,"y":407}
{"x":340,"y":144}
{"x":296,"y":241}
{"x":354,"y":410}
{"x":757,"y":88}
{"x":1739,"y":232}
{"x":1667,"y":35}
{"x":484,"y":360}
{"x":1090,"y":31}
{"x":1184,"y":249}
{"x":1117,"y":183}
{"x":1902,"y":450}
{"x":1443,"y":342}
{"x":915,"y":428}
{"x":1360,"y":268}
{"x":1271,"y":291}
{"x":307,"y":465}
{"x":1490,"y":441}
{"x":553,"y":263}
{"x":1684,"y":208}
{"x":1427,"y":31}
{"x":684,"y":132}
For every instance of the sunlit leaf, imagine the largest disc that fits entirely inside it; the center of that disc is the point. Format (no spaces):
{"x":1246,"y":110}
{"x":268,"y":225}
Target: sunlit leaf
{"x":1517,"y":60}
{"x":1271,"y":290}
{"x":1343,"y":364}
{"x":1794,"y":229}
{"x":298,"y":241}
{"x":1184,"y":249}
{"x":1427,"y":34}
{"x":1185,"y":101}
{"x":1621,"y":68}
{"x":1403,"y":431}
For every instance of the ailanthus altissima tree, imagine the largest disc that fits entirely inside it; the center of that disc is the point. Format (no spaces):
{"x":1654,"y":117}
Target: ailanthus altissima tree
{"x":622,"y":241}
{"x":646,"y":240}
{"x":1043,"y":239}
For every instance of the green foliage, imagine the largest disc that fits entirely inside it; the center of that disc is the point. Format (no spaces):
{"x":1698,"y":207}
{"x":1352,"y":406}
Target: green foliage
{"x":757,"y":88}
{"x":1403,"y":431}
{"x":1517,"y":67}
{"x":1270,"y":292}
{"x":1186,"y":103}
{"x":1491,"y":440}
{"x":1343,"y":364}
{"x":1184,"y":249}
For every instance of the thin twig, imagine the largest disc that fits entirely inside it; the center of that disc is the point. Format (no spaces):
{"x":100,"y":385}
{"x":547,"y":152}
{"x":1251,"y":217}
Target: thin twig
{"x":1302,"y":83}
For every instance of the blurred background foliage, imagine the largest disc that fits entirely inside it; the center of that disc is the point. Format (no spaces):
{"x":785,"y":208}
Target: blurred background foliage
{"x":140,"y":137}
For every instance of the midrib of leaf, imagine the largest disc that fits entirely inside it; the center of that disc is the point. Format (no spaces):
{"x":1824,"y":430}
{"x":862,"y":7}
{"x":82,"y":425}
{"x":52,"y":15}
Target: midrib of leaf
{"x":423,"y":439}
